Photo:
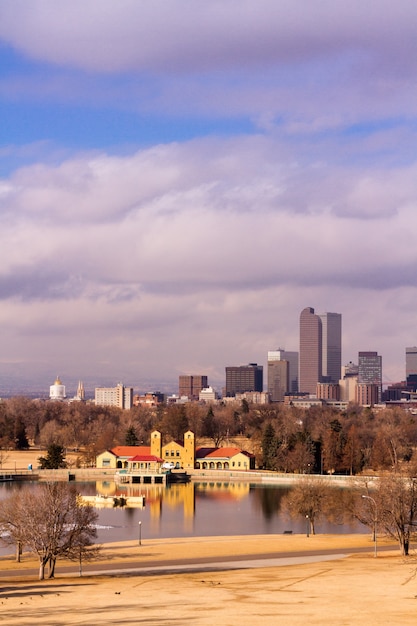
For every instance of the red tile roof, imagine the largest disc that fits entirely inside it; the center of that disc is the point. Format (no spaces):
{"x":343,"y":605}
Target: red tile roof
{"x":128,"y":451}
{"x":146,"y":458}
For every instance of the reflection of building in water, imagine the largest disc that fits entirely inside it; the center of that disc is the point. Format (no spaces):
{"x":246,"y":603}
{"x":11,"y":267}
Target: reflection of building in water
{"x":177,"y":495}
{"x":218,"y":490}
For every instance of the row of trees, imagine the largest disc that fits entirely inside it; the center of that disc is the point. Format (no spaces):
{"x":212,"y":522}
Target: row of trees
{"x":48,"y":520}
{"x":283,"y":438}
{"x":387,"y":505}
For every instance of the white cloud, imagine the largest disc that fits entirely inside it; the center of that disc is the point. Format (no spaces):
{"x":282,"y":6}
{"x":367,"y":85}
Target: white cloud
{"x":194,"y":253}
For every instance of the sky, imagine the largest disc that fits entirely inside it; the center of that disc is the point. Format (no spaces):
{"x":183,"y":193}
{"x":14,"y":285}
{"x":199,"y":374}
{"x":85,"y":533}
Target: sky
{"x":179,"y":179}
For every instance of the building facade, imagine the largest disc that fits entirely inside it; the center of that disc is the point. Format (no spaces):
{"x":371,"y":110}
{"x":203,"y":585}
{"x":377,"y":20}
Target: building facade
{"x":57,"y":390}
{"x":119,"y":396}
{"x":191,"y":385}
{"x":367,"y":394}
{"x":370,"y":370}
{"x":244,"y":378}
{"x":278,"y":380}
{"x":292,"y":357}
{"x":310,"y":357}
{"x":411,"y":367}
{"x":328,"y":391}
{"x":331,"y":360}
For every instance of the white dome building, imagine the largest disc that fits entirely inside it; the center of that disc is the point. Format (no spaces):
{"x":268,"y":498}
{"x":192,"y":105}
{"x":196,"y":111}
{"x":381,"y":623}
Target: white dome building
{"x":57,"y":390}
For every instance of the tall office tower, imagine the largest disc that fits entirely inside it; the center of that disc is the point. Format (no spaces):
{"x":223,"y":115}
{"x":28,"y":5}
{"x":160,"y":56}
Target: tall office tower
{"x":191,"y":386}
{"x":278,"y":380}
{"x":331,"y":360}
{"x":292,"y":358}
{"x":411,"y":366}
{"x":310,"y":358}
{"x":244,"y":378}
{"x":370,"y":370}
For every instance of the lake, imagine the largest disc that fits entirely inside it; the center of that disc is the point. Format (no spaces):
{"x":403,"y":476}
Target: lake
{"x":197,"y":509}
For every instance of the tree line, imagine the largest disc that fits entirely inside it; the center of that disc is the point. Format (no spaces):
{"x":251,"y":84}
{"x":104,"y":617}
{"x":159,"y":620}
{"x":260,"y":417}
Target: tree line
{"x":283,"y":438}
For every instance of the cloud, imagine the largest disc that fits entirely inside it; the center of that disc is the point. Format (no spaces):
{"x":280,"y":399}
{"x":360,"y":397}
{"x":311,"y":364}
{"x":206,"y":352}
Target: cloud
{"x":296,"y":64}
{"x":134,"y":34}
{"x":201,"y":253}
{"x":204,"y":214}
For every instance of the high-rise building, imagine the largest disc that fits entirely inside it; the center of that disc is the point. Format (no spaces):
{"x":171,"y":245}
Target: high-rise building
{"x":120,"y":396}
{"x":278,"y":379}
{"x":411,"y":367}
{"x":292,"y":357}
{"x":243,"y":378}
{"x":370,"y":370}
{"x":191,"y":386}
{"x":310,"y":358}
{"x":331,"y":360}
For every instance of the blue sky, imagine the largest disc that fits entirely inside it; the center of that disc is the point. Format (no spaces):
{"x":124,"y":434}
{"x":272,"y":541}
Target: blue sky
{"x":179,"y":180}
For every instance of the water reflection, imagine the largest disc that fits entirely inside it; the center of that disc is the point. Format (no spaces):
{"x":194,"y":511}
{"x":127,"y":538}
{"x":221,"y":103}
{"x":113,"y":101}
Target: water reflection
{"x":195,"y":509}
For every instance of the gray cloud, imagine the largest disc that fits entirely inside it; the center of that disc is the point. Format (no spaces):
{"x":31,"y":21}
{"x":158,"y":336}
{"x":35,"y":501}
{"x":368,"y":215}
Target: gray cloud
{"x":193,"y":255}
{"x":138,"y":35}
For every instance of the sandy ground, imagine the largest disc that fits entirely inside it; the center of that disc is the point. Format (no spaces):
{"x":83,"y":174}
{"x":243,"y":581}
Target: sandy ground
{"x":355,"y":589}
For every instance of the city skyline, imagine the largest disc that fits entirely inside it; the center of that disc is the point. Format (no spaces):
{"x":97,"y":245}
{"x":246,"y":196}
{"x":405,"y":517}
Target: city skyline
{"x":169,"y":206}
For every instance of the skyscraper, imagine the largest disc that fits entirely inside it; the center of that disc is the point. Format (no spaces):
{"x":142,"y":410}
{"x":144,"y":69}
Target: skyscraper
{"x":411,"y":366}
{"x":370,"y":370}
{"x":331,"y":324}
{"x":278,"y":378}
{"x":310,"y":359}
{"x":244,"y":378}
{"x":292,"y":357}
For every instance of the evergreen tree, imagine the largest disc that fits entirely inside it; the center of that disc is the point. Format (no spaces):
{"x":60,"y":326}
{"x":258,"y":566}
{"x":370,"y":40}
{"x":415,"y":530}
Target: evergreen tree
{"x":269,"y":447}
{"x":20,"y":438}
{"x":55,"y":457}
{"x":131,"y":438}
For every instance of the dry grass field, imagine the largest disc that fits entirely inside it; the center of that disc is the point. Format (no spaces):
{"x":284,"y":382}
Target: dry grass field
{"x":349,"y":590}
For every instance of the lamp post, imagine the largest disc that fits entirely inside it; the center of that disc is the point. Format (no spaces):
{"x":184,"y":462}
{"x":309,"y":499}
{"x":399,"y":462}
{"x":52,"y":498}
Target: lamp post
{"x":375,"y":520}
{"x":140,"y":533}
{"x":308,"y":526}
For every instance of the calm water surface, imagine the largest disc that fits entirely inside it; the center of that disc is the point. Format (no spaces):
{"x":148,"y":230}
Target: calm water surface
{"x":196,"y":509}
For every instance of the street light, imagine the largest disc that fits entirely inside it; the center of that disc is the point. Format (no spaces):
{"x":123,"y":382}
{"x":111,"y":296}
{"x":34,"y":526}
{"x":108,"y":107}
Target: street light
{"x":308,"y":525}
{"x":375,"y":520}
{"x":140,"y":533}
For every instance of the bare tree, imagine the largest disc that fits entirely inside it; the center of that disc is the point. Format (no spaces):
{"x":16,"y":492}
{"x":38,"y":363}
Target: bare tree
{"x":50,"y":522}
{"x":390,"y":506}
{"x":396,"y":496}
{"x":307,"y":499}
